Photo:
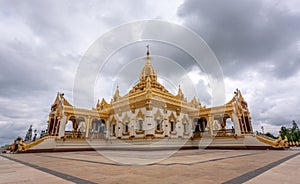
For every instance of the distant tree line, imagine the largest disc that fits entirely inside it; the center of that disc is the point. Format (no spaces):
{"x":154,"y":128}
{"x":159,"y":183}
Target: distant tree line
{"x":271,"y":135}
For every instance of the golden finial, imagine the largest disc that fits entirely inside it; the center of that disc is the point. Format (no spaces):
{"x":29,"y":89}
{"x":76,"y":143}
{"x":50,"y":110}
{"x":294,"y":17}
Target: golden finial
{"x":148,"y":52}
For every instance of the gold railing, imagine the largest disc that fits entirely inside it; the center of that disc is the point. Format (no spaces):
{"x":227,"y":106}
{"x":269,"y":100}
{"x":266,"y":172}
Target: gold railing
{"x":294,"y":143}
{"x":25,"y":146}
{"x":275,"y":143}
{"x":71,"y":134}
{"x":224,"y":133}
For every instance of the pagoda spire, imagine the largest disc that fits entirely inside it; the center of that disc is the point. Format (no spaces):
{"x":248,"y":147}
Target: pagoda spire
{"x":148,"y":70}
{"x":148,"y":52}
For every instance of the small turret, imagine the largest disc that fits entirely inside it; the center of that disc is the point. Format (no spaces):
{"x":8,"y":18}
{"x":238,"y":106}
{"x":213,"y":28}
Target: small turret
{"x":180,"y":95}
{"x":116,"y":95}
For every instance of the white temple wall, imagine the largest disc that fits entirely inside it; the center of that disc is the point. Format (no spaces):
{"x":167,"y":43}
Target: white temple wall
{"x":150,"y":123}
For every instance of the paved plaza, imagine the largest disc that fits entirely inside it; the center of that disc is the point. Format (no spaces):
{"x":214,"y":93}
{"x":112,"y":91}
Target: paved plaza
{"x":184,"y":166}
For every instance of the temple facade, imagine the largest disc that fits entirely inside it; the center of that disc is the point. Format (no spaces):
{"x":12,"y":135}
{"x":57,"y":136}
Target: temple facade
{"x":149,"y":110}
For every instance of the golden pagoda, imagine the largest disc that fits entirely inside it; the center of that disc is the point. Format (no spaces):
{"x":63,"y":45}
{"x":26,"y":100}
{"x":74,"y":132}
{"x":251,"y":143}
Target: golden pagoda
{"x":150,"y":110}
{"x":147,"y":113}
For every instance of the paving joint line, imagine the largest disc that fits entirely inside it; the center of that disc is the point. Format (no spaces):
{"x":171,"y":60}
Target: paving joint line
{"x":52,"y":172}
{"x":152,"y":164}
{"x":249,"y":175}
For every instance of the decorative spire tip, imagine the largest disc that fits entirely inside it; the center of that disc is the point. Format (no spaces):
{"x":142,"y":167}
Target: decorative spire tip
{"x":148,"y":52}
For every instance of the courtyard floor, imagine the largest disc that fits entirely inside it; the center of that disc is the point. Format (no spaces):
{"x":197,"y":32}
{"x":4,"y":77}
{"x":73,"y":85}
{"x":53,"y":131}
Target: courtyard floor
{"x":184,"y":166}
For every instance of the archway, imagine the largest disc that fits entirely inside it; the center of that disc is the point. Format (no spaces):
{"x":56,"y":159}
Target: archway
{"x":75,"y":127}
{"x":98,"y":129}
{"x":81,"y":127}
{"x":71,"y":127}
{"x":199,"y":126}
{"x":230,"y":127}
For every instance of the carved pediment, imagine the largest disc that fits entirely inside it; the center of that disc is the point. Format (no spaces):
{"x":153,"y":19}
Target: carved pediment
{"x":172,"y":117}
{"x":184,"y":119}
{"x":158,"y":115}
{"x":113,"y":120}
{"x":140,"y":115}
{"x":126,"y":118}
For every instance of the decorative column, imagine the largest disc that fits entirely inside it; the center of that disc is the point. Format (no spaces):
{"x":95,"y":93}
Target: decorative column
{"x":119,"y":129}
{"x":132,"y":125}
{"x":107,"y":129}
{"x":149,"y":124}
{"x":62,"y":126}
{"x":166,"y":127}
{"x":250,"y":124}
{"x":87,"y":129}
{"x":210,"y":121}
{"x":54,"y":125}
{"x":236,"y":124}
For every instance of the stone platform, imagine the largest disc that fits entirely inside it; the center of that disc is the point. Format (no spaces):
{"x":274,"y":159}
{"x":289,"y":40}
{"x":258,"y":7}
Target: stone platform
{"x":54,"y":144}
{"x":184,"y":166}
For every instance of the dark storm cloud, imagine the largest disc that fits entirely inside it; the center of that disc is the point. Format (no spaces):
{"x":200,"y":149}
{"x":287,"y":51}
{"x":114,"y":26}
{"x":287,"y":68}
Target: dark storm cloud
{"x":258,"y":46}
{"x":245,"y":33}
{"x":41,"y":45}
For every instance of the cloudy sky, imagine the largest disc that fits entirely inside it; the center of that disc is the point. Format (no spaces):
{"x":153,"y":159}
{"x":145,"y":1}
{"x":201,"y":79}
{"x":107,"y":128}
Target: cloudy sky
{"x":257,"y":43}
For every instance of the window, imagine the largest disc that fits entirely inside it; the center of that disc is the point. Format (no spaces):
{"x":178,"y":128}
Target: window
{"x":158,"y":124}
{"x":184,"y":127}
{"x":113,"y":131}
{"x":140,"y":125}
{"x":172,"y":126}
{"x":126,"y":127}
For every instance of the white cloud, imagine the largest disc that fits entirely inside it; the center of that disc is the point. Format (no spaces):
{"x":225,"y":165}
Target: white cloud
{"x":196,"y":76}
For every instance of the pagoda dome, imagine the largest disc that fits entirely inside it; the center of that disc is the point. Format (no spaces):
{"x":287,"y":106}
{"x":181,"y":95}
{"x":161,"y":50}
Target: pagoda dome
{"x":148,"y":70}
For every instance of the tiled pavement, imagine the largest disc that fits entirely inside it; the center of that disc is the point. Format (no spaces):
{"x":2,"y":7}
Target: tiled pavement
{"x":186,"y":166}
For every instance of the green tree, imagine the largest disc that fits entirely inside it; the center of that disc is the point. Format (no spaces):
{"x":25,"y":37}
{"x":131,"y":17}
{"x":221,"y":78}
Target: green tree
{"x":283,"y":132}
{"x":293,"y":133}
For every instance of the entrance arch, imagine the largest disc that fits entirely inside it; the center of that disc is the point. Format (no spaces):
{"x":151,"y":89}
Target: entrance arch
{"x":199,"y":126}
{"x":98,"y":129}
{"x":75,"y":127}
{"x":81,"y":129}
